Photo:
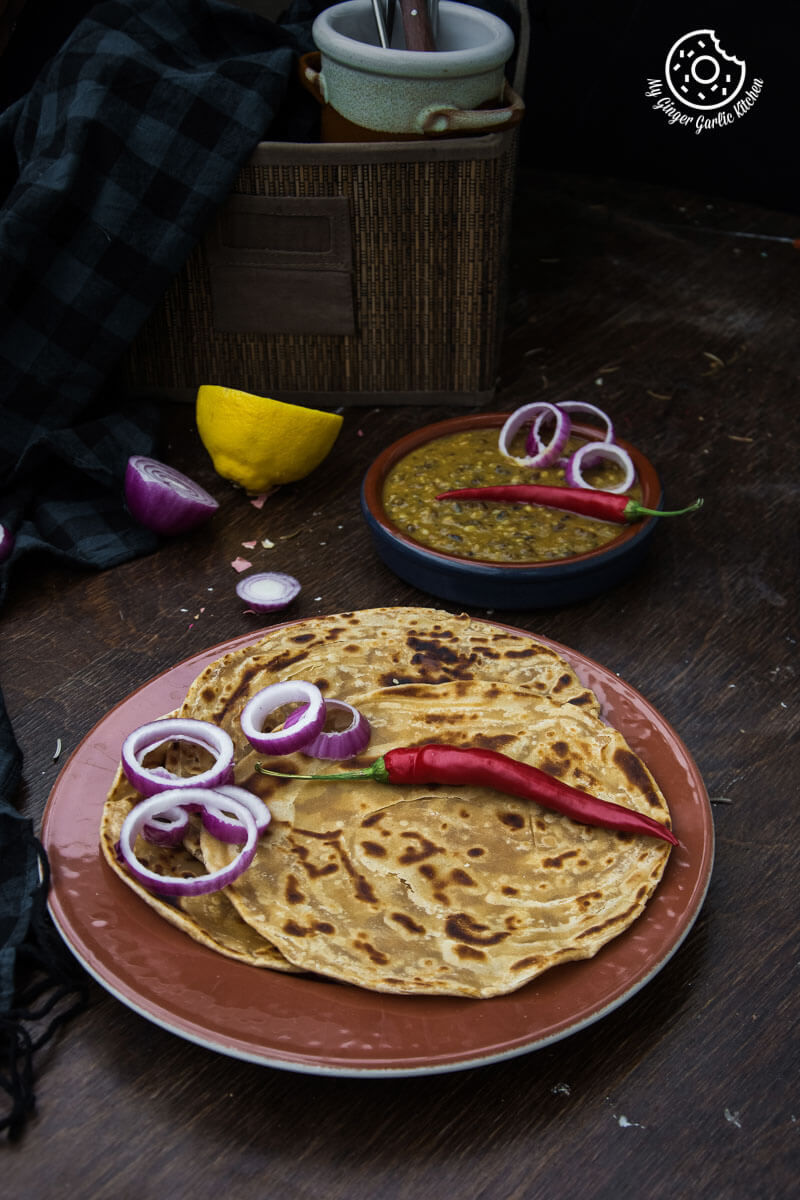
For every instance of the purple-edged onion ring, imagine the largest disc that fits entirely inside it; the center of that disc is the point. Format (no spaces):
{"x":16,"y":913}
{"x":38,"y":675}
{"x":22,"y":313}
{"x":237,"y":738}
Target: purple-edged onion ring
{"x":593,"y":410}
{"x":226,"y":828}
{"x":148,"y":810}
{"x":295,"y":736}
{"x":337,"y":743}
{"x":168,"y":828}
{"x":545,"y":455}
{"x":150,"y":780}
{"x":534,"y":438}
{"x":593,"y":452}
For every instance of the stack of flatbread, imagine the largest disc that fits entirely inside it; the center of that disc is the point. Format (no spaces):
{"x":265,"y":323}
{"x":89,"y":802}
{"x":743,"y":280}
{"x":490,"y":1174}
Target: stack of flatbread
{"x":418,"y":889}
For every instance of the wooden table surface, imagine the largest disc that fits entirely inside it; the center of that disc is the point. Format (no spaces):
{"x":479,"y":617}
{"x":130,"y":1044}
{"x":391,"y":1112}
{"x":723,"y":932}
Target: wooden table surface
{"x":647,"y":302}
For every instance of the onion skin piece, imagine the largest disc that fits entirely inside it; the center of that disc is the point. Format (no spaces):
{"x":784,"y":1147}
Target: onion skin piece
{"x":163,"y":499}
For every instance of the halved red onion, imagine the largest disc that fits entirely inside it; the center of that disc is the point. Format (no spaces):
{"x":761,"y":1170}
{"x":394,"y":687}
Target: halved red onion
{"x":7,"y":540}
{"x":215,"y":817}
{"x":163,"y":499}
{"x":268,"y":700}
{"x":591,"y":453}
{"x":150,"y":780}
{"x":268,"y":590}
{"x":148,"y":810}
{"x":545,"y":455}
{"x":337,"y":743}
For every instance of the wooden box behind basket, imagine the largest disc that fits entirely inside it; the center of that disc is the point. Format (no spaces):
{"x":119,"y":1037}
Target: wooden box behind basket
{"x":343,"y":274}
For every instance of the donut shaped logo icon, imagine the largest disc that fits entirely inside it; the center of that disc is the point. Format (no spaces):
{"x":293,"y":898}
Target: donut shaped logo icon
{"x":700,"y":74}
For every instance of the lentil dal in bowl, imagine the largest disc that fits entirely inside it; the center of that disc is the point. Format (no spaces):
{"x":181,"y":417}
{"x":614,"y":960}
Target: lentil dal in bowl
{"x":496,"y":555}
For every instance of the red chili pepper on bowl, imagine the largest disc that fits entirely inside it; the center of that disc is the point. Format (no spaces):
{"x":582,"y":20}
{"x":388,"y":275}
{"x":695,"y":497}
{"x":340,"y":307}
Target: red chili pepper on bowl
{"x":589,"y":502}
{"x":466,"y":765}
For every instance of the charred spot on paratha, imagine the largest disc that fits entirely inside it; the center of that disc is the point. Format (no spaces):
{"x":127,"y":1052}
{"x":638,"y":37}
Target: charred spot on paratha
{"x":636,"y":773}
{"x":461,"y":927}
{"x":408,"y":923}
{"x":558,"y":862}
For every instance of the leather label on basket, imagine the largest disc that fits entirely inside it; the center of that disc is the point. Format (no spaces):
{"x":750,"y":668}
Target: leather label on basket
{"x":282,"y":265}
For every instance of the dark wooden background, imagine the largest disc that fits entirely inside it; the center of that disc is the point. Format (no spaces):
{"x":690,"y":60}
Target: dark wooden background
{"x":690,"y":339}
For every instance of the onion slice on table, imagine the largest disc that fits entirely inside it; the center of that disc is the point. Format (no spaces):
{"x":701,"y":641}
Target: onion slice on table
{"x":545,"y":454}
{"x":288,"y":739}
{"x":337,"y":743}
{"x":148,"y":810}
{"x":163,"y":499}
{"x":593,"y":452}
{"x":7,"y":540}
{"x":150,"y":780}
{"x":268,"y":590}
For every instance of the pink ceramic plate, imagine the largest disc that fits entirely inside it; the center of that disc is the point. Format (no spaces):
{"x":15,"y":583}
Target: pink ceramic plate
{"x":312,"y":1025}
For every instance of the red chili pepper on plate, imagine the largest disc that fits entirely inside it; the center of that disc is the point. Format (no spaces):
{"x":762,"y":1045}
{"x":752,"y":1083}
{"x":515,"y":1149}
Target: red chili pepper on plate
{"x":589,"y":502}
{"x":465,"y":765}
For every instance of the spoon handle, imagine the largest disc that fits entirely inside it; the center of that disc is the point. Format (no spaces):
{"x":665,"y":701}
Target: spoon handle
{"x":417,"y":25}
{"x":377,"y":8}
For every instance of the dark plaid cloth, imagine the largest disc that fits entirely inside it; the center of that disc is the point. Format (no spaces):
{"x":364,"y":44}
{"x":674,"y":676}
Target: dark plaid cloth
{"x":111,"y":166}
{"x":125,"y":148}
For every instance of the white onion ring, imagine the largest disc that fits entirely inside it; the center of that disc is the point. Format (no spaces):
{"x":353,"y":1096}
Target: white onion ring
{"x":582,"y":406}
{"x":592,"y":452}
{"x":228,"y":829}
{"x":150,"y":780}
{"x":338,"y":743}
{"x":199,"y":885}
{"x":302,"y":730}
{"x":545,"y":455}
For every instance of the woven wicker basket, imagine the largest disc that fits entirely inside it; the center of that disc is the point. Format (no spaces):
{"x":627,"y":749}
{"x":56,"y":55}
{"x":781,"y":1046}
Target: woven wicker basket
{"x":346,"y":274}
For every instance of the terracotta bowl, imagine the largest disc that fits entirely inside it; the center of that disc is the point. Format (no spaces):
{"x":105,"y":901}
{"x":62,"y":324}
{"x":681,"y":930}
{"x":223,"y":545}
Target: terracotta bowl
{"x":503,"y":585}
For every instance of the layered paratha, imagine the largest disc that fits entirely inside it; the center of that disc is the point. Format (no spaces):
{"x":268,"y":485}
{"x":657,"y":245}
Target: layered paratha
{"x":211,"y":920}
{"x":354,"y":652}
{"x":435,"y":890}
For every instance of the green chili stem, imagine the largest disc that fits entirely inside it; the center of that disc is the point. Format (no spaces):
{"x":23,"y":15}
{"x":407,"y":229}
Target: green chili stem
{"x":635,"y":509}
{"x":376,"y":771}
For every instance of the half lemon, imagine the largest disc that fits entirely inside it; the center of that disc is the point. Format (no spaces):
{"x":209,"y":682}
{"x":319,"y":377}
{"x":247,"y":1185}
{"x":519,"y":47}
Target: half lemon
{"x":259,"y":443}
